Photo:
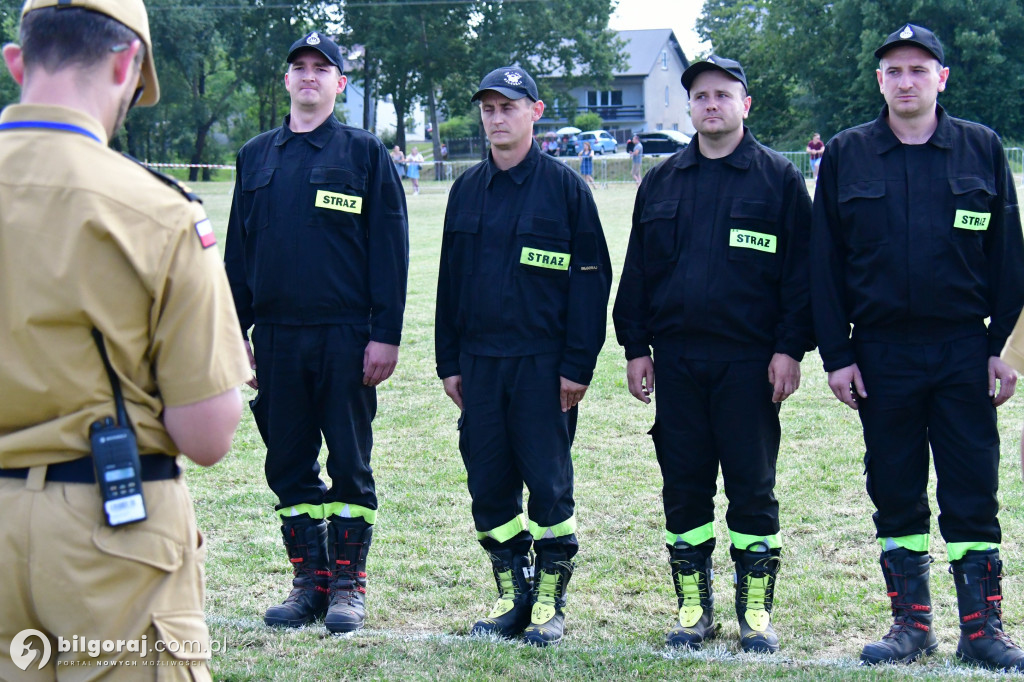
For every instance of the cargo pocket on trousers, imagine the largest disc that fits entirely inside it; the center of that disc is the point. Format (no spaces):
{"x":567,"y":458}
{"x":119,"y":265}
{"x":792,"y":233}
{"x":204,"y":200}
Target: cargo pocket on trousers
{"x":139,"y":545}
{"x":184,"y":643}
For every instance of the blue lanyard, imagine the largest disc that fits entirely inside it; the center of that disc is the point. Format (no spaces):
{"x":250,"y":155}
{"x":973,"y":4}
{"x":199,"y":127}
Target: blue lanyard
{"x":13,"y":125}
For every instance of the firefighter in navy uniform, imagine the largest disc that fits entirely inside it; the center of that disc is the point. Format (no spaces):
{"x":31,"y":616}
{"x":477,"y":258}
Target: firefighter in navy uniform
{"x":916,"y":241}
{"x":522,"y":303}
{"x":716,"y":280}
{"x":317,"y":256}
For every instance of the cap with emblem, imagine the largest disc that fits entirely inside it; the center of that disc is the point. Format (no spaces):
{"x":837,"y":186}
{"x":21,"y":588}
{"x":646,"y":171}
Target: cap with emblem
{"x":322,"y":44}
{"x":729,"y":66}
{"x":510,"y":81}
{"x":912,"y":34}
{"x":131,"y":13}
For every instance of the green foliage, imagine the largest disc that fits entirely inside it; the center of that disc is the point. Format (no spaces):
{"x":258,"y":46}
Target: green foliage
{"x":458,"y":127}
{"x":811,"y":67}
{"x":589,"y":121}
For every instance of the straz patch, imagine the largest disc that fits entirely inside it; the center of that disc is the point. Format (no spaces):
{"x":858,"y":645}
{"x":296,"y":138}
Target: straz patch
{"x":205,"y":231}
{"x":969,"y":220}
{"x":339,"y":202}
{"x":752,"y":240}
{"x":544,"y":259}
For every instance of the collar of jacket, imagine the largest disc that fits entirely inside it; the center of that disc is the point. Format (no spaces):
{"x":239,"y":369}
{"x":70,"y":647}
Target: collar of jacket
{"x":520,"y":171}
{"x":883,"y":139}
{"x":739,"y":158}
{"x":318,"y":137}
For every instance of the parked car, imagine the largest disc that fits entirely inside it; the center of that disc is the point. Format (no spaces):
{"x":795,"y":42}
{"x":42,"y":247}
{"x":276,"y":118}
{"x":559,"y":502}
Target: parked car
{"x":601,"y":141}
{"x":663,"y":141}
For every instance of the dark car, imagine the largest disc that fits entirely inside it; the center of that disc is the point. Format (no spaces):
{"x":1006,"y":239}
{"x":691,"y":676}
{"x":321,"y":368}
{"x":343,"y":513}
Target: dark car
{"x":663,"y":141}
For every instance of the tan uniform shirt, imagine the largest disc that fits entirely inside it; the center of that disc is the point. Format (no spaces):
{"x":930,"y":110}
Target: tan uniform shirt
{"x":1013,"y":351}
{"x":89,"y":238}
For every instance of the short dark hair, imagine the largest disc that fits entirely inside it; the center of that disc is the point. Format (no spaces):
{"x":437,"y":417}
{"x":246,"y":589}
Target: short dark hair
{"x":53,"y":38}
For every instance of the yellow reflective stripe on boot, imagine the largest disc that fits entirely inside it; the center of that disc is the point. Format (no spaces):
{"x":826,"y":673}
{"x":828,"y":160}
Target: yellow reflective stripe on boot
{"x":956,"y":550}
{"x":547,"y":592}
{"x":567,"y":527}
{"x":743,"y":541}
{"x":505,"y":603}
{"x":697,"y":536}
{"x":915,"y":543}
{"x":314,"y":511}
{"x":693,"y":589}
{"x":505,"y":531}
{"x":756,"y":616}
{"x":350,"y":511}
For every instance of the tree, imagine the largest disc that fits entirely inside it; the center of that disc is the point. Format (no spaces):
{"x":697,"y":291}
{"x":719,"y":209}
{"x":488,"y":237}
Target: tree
{"x":798,"y":87}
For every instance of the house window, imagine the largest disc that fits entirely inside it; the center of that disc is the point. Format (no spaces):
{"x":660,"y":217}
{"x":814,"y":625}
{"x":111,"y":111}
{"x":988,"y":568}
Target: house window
{"x":664,"y":60}
{"x":675,"y":126}
{"x":604,"y":98}
{"x":666,"y":96}
{"x":661,"y":126}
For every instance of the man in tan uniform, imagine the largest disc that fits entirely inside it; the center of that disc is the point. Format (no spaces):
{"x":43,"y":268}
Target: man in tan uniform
{"x":89,"y":239}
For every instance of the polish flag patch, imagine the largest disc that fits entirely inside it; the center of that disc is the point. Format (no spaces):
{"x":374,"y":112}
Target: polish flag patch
{"x":205,"y":231}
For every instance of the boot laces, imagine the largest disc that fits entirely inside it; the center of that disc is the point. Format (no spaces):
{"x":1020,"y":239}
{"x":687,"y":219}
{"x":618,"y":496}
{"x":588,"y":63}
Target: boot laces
{"x":693,"y":587}
{"x":548,"y":585}
{"x":756,"y":592}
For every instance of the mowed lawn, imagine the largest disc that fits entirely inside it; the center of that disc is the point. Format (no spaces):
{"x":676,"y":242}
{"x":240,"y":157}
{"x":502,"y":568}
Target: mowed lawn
{"x":429,"y":580}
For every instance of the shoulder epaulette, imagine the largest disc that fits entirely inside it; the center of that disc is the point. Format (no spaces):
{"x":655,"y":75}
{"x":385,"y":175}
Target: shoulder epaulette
{"x":184,"y":189}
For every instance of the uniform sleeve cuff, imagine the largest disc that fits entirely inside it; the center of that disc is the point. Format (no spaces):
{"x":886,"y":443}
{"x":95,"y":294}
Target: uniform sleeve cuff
{"x":388,"y":336}
{"x":576,"y":374}
{"x":448,"y":369}
{"x":637,"y":350}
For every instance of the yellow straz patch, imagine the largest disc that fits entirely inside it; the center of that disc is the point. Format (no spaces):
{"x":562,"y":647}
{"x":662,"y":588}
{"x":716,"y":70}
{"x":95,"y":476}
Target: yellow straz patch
{"x":753,"y":240}
{"x":544,"y":259}
{"x":339,"y":202}
{"x":969,"y":220}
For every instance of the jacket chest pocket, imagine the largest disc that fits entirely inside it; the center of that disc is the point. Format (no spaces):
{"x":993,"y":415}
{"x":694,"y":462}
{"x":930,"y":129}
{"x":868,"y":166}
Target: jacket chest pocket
{"x":256,"y":199}
{"x":753,"y":232}
{"x":543,"y":246}
{"x":973,"y":198}
{"x":862,"y":213}
{"x":460,"y":235}
{"x":337,"y":196}
{"x":659,"y":223}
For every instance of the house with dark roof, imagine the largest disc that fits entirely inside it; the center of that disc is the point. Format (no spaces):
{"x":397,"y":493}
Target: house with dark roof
{"x":647,"y":95}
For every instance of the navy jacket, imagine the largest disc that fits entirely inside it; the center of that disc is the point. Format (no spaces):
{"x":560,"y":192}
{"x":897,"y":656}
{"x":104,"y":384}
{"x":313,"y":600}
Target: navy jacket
{"x":318,"y":232}
{"x":524,"y":268}
{"x":717,"y":264}
{"x":915,"y":243}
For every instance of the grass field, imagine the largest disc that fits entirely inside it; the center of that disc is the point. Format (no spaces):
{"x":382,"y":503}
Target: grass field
{"x":429,"y":580}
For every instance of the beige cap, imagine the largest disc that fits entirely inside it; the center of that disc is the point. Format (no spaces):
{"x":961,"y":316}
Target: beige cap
{"x":131,"y":13}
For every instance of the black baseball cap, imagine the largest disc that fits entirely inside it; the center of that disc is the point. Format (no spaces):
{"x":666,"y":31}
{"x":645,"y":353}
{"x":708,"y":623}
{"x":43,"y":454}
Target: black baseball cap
{"x":322,"y":44}
{"x":729,"y":66}
{"x":918,"y":36}
{"x":511,"y":81}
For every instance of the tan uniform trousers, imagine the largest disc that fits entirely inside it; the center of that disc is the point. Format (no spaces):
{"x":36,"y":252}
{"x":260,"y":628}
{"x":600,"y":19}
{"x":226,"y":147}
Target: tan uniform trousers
{"x":68,"y":575}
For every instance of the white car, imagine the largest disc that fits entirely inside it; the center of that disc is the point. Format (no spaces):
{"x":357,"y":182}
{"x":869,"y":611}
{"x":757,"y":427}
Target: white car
{"x":601,"y":141}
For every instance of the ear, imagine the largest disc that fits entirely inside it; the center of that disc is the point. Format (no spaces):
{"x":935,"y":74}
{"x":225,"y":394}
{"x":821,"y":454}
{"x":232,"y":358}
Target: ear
{"x":342,"y":82}
{"x":124,"y":63}
{"x":15,"y":62}
{"x":878,"y":75}
{"x":538,"y":110}
{"x":746,"y":106}
{"x":943,"y":77}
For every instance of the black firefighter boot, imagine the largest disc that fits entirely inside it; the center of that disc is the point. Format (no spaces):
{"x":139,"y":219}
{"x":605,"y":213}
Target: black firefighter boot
{"x":306,"y":542}
{"x":550,"y":578}
{"x":756,"y":568}
{"x":513,"y":572}
{"x":906,"y":581}
{"x":692,"y":576}
{"x":349,"y":543}
{"x":982,"y":640}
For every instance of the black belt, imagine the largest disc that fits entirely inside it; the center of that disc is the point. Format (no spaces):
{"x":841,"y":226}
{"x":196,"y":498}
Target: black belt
{"x":154,"y":468}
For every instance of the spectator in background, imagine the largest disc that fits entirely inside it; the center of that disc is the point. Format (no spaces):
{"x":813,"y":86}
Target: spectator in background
{"x":587,"y":164}
{"x":444,"y":152}
{"x":399,"y":158}
{"x":637,"y":153}
{"x":815,"y":149}
{"x":412,"y":169}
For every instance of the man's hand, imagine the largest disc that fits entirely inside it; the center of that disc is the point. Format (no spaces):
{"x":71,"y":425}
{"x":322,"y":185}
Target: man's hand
{"x":784,"y":375}
{"x":379,"y":360}
{"x":1007,"y":376}
{"x":640,"y":378}
{"x":251,"y":383}
{"x":571,"y":394}
{"x":844,"y":381}
{"x":453,"y":388}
